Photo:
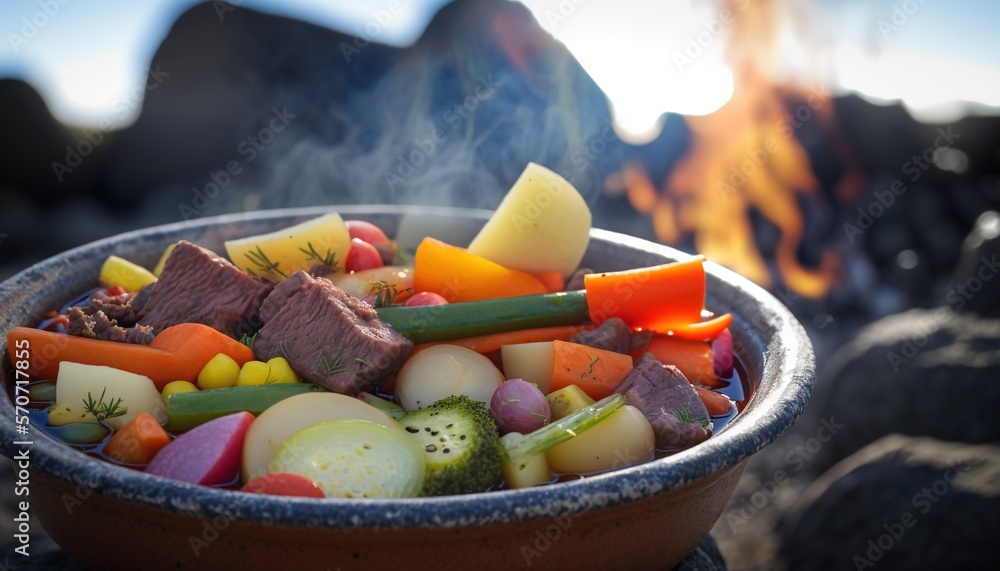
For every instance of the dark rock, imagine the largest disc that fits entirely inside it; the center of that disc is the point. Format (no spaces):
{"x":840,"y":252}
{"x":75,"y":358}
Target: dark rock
{"x":900,"y":503}
{"x":972,"y":288}
{"x":706,"y":557}
{"x":922,"y":373}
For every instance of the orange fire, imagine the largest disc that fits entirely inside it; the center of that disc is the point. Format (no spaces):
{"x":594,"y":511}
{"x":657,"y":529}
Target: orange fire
{"x":743,"y":156}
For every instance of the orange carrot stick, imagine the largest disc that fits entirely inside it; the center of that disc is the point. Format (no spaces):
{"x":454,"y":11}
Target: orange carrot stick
{"x":458,"y":275}
{"x":664,"y":298}
{"x":138,"y":441}
{"x":178,"y":353}
{"x":493,"y":341}
{"x":716,"y":403}
{"x":552,"y":280}
{"x":693,"y":358}
{"x":597,"y":372}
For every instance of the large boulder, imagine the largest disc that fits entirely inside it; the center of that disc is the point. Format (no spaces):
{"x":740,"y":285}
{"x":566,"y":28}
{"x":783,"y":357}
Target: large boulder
{"x":922,"y":373}
{"x":900,"y":503}
{"x":972,"y":288}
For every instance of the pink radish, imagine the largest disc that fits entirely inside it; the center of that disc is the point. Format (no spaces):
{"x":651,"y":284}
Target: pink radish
{"x":208,"y":454}
{"x":722,"y":354}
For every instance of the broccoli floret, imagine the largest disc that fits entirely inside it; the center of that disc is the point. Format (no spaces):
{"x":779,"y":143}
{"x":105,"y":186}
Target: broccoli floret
{"x":461,"y":443}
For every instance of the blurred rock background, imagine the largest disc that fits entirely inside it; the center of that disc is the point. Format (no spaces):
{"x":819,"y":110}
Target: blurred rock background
{"x":906,"y":330}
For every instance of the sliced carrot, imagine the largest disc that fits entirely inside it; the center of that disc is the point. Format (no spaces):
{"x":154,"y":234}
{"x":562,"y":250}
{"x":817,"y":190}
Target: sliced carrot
{"x":717,"y":403}
{"x":704,"y":330}
{"x":493,"y":341}
{"x":138,"y":441}
{"x":552,"y":280}
{"x":178,"y":353}
{"x":597,"y":372}
{"x":458,"y":275}
{"x":693,"y":358}
{"x":664,"y":298}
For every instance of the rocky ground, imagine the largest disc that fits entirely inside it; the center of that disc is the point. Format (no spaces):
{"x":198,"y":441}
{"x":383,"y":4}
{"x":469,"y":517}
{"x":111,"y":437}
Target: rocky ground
{"x":895,"y":461}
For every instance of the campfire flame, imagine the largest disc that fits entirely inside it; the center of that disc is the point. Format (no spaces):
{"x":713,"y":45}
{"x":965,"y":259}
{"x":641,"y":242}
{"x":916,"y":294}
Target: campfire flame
{"x":746,"y":156}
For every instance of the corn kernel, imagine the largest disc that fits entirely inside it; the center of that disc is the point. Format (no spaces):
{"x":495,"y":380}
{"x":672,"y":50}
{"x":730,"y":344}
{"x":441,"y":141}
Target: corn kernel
{"x":253,"y":373}
{"x":281,"y":371}
{"x":177,"y":387}
{"x":220,"y":372}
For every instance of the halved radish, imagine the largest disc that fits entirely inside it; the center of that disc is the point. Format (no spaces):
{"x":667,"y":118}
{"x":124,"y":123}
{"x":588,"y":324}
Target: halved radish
{"x":208,"y":454}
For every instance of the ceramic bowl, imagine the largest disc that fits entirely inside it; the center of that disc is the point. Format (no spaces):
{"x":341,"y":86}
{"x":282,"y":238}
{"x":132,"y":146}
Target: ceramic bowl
{"x":648,"y":516}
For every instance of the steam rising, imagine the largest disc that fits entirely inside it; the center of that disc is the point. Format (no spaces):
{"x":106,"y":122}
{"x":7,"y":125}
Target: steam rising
{"x":453,"y":122}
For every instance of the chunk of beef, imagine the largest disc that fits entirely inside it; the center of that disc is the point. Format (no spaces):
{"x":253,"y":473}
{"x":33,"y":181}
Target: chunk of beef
{"x":612,"y":335}
{"x":678,"y":417}
{"x":328,"y":337}
{"x":196,"y":286}
{"x":98,"y":325}
{"x":281,"y":293}
{"x":576,"y":280}
{"x":123,"y":308}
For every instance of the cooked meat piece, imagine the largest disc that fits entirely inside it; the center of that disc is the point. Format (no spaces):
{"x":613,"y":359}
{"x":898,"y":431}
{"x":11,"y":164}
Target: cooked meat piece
{"x":612,"y":335}
{"x":678,"y":417}
{"x":328,"y":337}
{"x":281,"y":292}
{"x":196,"y":286}
{"x":576,"y":280}
{"x":122,"y":308}
{"x":640,"y":339}
{"x":100,"y":326}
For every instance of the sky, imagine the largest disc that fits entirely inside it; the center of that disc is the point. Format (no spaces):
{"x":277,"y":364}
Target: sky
{"x":649,"y":56}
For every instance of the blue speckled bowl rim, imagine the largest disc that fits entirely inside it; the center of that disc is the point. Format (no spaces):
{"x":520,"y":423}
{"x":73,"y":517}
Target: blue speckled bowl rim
{"x":763,"y":328}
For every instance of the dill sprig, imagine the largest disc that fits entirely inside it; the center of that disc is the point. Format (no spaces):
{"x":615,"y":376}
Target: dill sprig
{"x":259,"y":259}
{"x":328,"y":367}
{"x":329,"y":259}
{"x":103,"y":410}
{"x":684,"y":415}
{"x":590,"y":371}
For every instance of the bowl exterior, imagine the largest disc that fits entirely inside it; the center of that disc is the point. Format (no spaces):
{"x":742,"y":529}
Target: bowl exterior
{"x":650,"y":534}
